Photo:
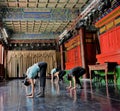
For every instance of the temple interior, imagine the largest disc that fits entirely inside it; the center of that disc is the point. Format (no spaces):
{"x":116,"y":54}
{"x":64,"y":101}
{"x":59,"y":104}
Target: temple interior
{"x":65,"y":34}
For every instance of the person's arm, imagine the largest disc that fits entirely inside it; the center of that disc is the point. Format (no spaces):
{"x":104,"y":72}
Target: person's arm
{"x":74,"y":82}
{"x":57,"y":74}
{"x":32,"y":89}
{"x":57,"y":77}
{"x":70,"y":85}
{"x":51,"y":77}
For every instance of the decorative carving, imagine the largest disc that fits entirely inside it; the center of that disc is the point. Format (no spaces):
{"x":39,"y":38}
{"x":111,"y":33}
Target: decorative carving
{"x":72,"y":43}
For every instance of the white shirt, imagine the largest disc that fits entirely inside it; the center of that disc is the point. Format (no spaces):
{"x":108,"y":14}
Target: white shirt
{"x":53,"y":71}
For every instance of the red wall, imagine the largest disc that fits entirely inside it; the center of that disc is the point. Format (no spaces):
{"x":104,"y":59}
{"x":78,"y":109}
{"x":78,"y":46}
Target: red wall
{"x":73,"y":52}
{"x":110,"y":46}
{"x":110,"y":41}
{"x":109,"y":37}
{"x":73,"y":58}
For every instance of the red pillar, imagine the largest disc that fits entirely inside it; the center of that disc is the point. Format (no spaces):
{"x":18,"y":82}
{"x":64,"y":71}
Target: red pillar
{"x":5,"y":62}
{"x":1,"y":54}
{"x":1,"y":61}
{"x":82,"y":41}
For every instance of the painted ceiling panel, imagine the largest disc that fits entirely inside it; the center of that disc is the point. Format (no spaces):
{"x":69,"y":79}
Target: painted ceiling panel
{"x":41,"y":5}
{"x":22,"y":0}
{"x":33,"y":0}
{"x":12,"y":4}
{"x":72,"y":1}
{"x":53,"y":1}
{"x":70,"y":5}
{"x":12,"y":0}
{"x":39,"y":16}
{"x":52,"y":5}
{"x":23,"y":4}
{"x":62,"y":1}
{"x":32,"y":4}
{"x":43,"y":1}
{"x":61,"y":5}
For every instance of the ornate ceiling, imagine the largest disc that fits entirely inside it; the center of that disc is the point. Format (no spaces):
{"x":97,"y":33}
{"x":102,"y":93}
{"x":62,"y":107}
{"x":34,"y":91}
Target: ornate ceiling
{"x":38,"y":23}
{"x":39,"y":19}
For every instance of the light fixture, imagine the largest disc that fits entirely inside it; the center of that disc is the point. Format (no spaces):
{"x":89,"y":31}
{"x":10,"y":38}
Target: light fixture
{"x":38,"y":44}
{"x":21,"y":44}
{"x":0,"y":35}
{"x":107,"y":3}
{"x":10,"y":45}
{"x":61,"y":40}
{"x":68,"y":35}
{"x":80,"y":24}
{"x":95,"y":13}
{"x":15,"y":45}
{"x":5,"y":40}
{"x":43,"y":44}
{"x":26,"y":45}
{"x":63,"y":34}
{"x":91,"y":28}
{"x":4,"y":33}
{"x":90,"y":18}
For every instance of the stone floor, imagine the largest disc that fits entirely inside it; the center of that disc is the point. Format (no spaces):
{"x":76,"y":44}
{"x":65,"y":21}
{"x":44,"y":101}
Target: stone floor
{"x":57,"y":98}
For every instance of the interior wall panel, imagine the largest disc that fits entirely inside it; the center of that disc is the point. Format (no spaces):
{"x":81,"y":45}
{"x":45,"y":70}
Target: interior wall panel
{"x":19,"y":61}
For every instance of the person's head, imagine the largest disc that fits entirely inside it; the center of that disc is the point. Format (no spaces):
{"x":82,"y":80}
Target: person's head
{"x":61,"y":74}
{"x":26,"y":82}
{"x":24,"y":75}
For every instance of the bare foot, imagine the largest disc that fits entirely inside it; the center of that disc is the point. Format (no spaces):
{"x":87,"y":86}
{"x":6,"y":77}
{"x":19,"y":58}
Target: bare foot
{"x":28,"y":94}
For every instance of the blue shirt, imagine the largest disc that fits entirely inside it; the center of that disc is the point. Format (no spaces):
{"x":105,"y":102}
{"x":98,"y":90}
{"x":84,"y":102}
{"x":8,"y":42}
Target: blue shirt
{"x":32,"y":71}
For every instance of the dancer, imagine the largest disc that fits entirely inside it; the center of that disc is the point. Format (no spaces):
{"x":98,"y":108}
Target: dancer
{"x":74,"y":75}
{"x":31,"y":75}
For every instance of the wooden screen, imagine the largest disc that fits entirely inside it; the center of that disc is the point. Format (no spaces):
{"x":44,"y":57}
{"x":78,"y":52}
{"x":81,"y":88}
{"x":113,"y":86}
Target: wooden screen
{"x":19,"y":61}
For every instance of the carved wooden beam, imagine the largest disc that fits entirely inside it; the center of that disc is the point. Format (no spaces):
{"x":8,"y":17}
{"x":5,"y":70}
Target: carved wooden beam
{"x":33,"y":41}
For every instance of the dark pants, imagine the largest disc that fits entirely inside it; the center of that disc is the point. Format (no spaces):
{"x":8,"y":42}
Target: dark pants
{"x":43,"y":68}
{"x":61,"y":74}
{"x":78,"y":74}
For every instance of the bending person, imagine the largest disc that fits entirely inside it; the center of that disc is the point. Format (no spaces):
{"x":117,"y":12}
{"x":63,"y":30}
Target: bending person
{"x":53,"y":71}
{"x":59,"y":75}
{"x":31,"y":75}
{"x":74,"y":75}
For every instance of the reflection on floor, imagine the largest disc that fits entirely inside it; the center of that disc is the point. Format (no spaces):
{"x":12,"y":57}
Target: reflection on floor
{"x":57,"y":98}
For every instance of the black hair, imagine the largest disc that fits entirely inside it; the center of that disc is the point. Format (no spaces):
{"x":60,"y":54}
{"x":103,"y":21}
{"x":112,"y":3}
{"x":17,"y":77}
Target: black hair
{"x":69,"y":77}
{"x":26,"y":82}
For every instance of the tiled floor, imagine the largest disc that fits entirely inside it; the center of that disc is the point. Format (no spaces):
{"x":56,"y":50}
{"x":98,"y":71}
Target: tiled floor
{"x":57,"y":98}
